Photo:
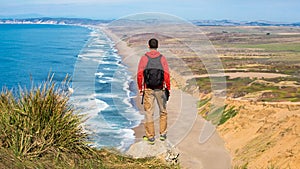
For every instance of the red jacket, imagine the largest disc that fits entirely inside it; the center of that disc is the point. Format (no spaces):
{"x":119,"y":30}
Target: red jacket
{"x":143,"y":64}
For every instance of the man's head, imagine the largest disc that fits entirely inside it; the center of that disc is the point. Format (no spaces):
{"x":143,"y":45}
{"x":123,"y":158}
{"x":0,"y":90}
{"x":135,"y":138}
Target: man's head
{"x":153,"y":43}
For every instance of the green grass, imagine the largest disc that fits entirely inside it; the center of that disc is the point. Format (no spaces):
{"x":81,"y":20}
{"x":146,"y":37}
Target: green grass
{"x":244,"y":166}
{"x":39,"y":128}
{"x":203,"y":102}
{"x":272,"y":166}
{"x":239,"y":87}
{"x":284,"y":47}
{"x":217,"y":115}
{"x":102,"y":159}
{"x":220,"y":115}
{"x":40,"y":121}
{"x":255,"y":87}
{"x":288,"y":78}
{"x":228,"y":113}
{"x":206,"y":84}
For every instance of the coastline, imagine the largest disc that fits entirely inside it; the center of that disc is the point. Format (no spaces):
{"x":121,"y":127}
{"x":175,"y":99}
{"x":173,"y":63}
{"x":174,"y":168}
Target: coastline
{"x":184,"y":124}
{"x":270,"y":106}
{"x":99,"y":58}
{"x":125,"y":52}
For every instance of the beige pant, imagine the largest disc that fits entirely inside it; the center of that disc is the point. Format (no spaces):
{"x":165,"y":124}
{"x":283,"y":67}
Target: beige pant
{"x":160,"y":97}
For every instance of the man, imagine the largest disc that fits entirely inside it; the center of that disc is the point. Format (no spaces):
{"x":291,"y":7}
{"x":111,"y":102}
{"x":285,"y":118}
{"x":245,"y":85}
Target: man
{"x":154,"y":84}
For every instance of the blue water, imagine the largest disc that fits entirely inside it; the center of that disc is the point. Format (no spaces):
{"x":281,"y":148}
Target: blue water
{"x":36,"y":50}
{"x":103,"y":87}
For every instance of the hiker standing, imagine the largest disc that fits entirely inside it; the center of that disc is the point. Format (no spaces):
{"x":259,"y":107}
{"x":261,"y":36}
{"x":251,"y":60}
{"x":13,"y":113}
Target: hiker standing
{"x":154,"y":84}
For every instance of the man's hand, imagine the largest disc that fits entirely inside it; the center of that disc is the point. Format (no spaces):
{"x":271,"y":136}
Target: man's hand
{"x":167,"y":93}
{"x":141,"y":92}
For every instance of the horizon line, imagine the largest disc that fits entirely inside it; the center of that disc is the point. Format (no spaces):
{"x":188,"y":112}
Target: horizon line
{"x":112,"y":19}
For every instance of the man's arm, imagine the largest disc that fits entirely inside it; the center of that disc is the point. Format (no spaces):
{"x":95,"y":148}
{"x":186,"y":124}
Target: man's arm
{"x":166,"y":72}
{"x":140,"y":72}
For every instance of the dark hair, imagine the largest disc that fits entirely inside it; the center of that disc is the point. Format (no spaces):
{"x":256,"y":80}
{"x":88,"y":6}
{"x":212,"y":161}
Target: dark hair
{"x":153,"y":43}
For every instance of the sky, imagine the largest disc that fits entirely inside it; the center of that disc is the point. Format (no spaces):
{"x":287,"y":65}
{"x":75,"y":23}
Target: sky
{"x":236,"y":10}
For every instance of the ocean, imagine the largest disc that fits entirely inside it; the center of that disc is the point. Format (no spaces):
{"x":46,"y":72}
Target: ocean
{"x":104,"y":89}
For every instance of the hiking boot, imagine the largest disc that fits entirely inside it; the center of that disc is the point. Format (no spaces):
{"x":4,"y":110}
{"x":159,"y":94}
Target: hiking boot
{"x":150,"y":141}
{"x":163,"y":137}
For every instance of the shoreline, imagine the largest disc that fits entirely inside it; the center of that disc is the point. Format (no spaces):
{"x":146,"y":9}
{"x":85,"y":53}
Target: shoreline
{"x":92,"y":58}
{"x":124,"y":51}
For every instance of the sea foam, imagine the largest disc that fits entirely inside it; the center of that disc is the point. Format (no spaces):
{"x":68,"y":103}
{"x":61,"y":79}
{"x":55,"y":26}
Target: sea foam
{"x":106,"y":101}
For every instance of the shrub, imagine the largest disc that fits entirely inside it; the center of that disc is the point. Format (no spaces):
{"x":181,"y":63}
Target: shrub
{"x":41,"y":121}
{"x":217,"y":115}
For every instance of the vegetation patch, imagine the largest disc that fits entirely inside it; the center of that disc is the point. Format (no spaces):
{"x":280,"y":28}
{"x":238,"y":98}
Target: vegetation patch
{"x":270,"y":90}
{"x":286,"y":47}
{"x":217,"y":115}
{"x":41,"y":121}
{"x":39,"y":128}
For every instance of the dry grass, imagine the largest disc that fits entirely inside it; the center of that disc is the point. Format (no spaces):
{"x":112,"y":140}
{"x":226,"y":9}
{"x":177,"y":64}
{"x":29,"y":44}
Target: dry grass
{"x":39,"y":128}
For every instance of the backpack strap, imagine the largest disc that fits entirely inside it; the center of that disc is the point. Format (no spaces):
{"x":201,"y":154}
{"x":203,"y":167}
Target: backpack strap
{"x":151,"y":57}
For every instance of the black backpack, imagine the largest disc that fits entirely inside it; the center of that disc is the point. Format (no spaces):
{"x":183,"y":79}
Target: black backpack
{"x":154,"y":73}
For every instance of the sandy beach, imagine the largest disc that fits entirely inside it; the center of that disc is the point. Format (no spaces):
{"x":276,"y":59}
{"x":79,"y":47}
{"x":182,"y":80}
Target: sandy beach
{"x":185,"y":125}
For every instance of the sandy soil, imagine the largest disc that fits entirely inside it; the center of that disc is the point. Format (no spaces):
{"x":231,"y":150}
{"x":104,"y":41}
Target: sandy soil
{"x":264,"y":134}
{"x":185,"y":125}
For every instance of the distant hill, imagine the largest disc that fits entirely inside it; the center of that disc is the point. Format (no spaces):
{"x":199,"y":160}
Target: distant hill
{"x":86,"y":21}
{"x":46,"y":20}
{"x":238,"y":23}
